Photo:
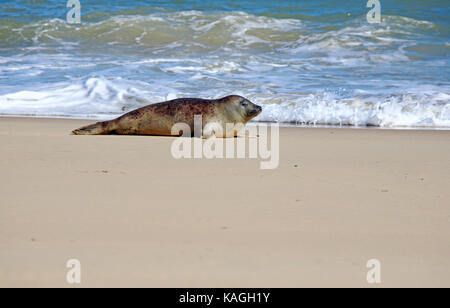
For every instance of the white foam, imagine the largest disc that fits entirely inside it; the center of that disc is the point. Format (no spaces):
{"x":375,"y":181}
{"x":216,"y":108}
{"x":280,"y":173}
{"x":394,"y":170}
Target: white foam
{"x":95,"y":95}
{"x":212,"y":67}
{"x":98,"y":96}
{"x":431,"y":110}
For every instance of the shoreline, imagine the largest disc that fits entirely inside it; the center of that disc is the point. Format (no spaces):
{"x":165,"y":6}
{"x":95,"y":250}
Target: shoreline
{"x":134,"y":216}
{"x":281,"y":124}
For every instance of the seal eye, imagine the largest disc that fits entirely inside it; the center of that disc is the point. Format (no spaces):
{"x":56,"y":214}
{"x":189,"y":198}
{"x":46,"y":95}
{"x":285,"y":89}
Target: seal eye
{"x":244,"y":104}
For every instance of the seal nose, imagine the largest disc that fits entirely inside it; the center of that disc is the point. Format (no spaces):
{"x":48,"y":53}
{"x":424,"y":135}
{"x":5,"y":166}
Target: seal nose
{"x":256,"y":110}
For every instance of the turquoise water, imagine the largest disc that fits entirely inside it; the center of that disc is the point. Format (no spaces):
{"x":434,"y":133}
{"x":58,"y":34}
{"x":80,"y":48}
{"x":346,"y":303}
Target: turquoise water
{"x":305,"y":62}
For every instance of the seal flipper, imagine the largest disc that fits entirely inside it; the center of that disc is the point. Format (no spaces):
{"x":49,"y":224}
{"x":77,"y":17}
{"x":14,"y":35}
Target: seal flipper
{"x":99,"y":128}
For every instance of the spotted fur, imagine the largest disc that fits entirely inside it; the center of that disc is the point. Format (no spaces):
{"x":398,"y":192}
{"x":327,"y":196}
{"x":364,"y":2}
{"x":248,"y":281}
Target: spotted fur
{"x":158,"y":119}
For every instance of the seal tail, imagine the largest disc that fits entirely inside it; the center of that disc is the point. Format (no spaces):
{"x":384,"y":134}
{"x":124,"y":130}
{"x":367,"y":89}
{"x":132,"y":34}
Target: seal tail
{"x":99,"y":128}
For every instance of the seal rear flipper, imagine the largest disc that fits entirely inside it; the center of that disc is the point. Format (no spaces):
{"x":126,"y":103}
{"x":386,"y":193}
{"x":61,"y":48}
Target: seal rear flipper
{"x":99,"y":128}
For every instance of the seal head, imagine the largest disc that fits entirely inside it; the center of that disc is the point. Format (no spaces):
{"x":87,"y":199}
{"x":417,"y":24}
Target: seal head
{"x":240,"y":107}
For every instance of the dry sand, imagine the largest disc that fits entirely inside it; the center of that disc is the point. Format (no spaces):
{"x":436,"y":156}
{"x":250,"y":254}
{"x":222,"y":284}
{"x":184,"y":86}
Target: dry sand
{"x":135,"y":216}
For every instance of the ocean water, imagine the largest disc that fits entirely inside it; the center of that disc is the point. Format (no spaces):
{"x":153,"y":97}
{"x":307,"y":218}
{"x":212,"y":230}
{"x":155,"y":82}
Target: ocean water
{"x":304,"y":62}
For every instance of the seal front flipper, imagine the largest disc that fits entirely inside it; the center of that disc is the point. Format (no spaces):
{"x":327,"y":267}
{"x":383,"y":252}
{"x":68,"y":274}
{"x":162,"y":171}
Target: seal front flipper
{"x":99,"y":128}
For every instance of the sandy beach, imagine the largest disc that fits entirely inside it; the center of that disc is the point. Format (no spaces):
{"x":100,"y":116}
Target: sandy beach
{"x":135,"y":216}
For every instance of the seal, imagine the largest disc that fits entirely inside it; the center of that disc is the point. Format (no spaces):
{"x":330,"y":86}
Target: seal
{"x":160,"y":118}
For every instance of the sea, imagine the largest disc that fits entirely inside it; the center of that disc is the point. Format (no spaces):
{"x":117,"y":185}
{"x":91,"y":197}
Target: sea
{"x":305,"y":62}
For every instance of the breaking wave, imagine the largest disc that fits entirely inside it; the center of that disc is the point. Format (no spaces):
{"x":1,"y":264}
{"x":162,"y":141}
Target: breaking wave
{"x":300,"y":70}
{"x":102,"y":98}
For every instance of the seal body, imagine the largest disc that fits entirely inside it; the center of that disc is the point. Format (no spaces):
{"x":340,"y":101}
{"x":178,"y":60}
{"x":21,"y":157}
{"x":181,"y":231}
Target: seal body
{"x":160,"y":118}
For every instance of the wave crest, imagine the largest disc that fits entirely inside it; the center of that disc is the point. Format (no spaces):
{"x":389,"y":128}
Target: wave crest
{"x":193,"y":31}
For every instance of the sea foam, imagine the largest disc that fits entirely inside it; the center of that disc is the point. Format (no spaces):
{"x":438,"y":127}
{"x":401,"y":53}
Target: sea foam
{"x":301,"y":71}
